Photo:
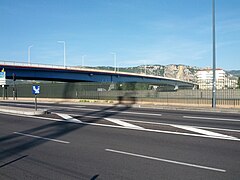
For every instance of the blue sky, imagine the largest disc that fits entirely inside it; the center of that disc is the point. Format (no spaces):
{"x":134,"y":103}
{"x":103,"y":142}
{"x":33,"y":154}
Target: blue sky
{"x":139,"y":31}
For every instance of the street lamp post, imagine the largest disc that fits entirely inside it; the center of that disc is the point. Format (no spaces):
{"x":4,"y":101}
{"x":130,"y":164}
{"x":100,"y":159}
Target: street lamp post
{"x":83,"y":56}
{"x":145,"y":67}
{"x":64,"y":52}
{"x":29,"y":54}
{"x":214,"y":57}
{"x":115,"y":61}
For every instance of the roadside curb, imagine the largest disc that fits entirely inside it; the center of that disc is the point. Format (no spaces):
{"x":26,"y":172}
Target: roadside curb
{"x":24,"y":111}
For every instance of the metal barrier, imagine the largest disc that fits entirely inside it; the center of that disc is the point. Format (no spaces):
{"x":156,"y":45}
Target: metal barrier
{"x":101,"y":91}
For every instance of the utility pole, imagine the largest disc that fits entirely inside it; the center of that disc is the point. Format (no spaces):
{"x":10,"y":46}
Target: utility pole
{"x":14,"y":86}
{"x":83,"y":56}
{"x":29,"y":54}
{"x":64,"y":52}
{"x":145,"y":68}
{"x":115,"y":61}
{"x":214,"y":57}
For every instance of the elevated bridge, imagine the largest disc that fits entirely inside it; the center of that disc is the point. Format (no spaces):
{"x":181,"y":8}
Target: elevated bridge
{"x":23,"y":71}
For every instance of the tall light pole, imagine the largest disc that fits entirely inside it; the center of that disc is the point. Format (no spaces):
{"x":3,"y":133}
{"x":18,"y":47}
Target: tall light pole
{"x":145,"y":67}
{"x":29,"y":54}
{"x":64,"y":53}
{"x":214,"y":57}
{"x":115,"y":61}
{"x":83,"y":56}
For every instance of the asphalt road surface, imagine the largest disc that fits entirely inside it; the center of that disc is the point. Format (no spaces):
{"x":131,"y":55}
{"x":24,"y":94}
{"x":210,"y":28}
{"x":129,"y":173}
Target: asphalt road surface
{"x":118,"y":142}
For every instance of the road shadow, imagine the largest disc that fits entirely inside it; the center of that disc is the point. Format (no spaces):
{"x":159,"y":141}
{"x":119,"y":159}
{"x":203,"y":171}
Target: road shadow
{"x":13,"y":144}
{"x":95,"y":177}
{"x":14,"y":147}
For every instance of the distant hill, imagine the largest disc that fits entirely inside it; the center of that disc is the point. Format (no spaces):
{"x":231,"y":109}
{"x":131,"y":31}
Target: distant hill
{"x":234,"y":72}
{"x":183,"y":72}
{"x":178,"y":71}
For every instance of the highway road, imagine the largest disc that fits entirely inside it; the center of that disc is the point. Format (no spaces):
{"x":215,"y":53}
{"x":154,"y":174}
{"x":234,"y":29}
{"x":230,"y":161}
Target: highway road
{"x":79,"y":141}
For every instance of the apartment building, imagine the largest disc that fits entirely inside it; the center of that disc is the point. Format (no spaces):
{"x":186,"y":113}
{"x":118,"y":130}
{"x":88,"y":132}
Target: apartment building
{"x":223,"y":79}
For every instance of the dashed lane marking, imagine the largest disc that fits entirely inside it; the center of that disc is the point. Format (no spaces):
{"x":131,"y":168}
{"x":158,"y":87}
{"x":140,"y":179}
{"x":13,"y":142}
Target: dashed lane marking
{"x":167,"y":160}
{"x":211,"y":118}
{"x":39,"y":137}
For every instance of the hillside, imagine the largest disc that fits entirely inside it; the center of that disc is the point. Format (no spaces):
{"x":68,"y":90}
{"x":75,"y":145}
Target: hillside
{"x":234,"y":72}
{"x":183,"y":72}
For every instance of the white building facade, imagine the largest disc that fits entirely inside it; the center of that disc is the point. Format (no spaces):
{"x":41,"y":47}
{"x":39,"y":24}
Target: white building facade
{"x":223,"y":79}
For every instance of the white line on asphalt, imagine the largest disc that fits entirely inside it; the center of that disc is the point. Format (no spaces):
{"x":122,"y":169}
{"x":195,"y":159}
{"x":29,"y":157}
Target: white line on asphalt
{"x":121,"y":127}
{"x":210,"y":118}
{"x":122,"y":123}
{"x":69,"y":118}
{"x":116,"y":121}
{"x":166,"y":160}
{"x":202,"y":131}
{"x":65,"y":107}
{"x":167,"y":124}
{"x":161,"y":131}
{"x":39,"y":137}
{"x":123,"y":112}
{"x":220,"y":129}
{"x":148,"y":114}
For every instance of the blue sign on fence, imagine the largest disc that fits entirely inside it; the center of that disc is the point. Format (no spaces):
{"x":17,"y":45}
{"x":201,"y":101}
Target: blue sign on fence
{"x":2,"y":75}
{"x":36,"y":89}
{"x":3,"y":78}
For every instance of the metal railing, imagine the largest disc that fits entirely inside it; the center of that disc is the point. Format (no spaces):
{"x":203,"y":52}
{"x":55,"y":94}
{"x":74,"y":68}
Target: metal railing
{"x":102,"y":91}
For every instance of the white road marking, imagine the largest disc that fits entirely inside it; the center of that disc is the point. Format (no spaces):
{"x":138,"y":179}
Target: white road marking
{"x":69,"y":118}
{"x":166,"y":160}
{"x":210,"y":118}
{"x":122,"y":123}
{"x":121,"y":127}
{"x":167,"y":124}
{"x":161,"y":131}
{"x":65,"y":107}
{"x":220,"y":129}
{"x":148,"y":114}
{"x":39,"y":137}
{"x":202,"y":131}
{"x":123,"y":112}
{"x":116,"y":121}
